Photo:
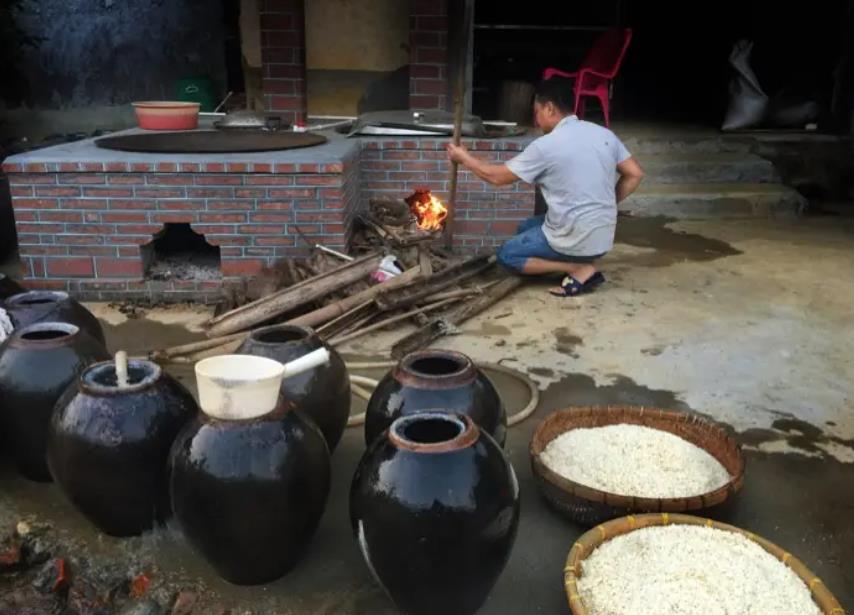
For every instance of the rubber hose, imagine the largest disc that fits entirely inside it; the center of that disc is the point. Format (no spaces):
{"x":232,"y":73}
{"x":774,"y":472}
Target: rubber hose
{"x":514,"y":419}
{"x":356,"y":384}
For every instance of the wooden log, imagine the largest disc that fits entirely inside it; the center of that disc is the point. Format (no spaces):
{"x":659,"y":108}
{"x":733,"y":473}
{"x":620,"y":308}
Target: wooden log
{"x":195,"y":347}
{"x":333,"y":310}
{"x":353,"y":326}
{"x":462,"y":292}
{"x":405,"y":297}
{"x":424,"y":260}
{"x":352,"y":322}
{"x":343,"y":318}
{"x":392,"y":320}
{"x":442,"y":326}
{"x":312,"y":319}
{"x":293,"y":297}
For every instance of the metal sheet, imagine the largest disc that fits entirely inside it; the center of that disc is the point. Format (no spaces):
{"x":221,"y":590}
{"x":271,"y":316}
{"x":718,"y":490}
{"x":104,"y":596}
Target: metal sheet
{"x":427,"y":123}
{"x":210,"y":141}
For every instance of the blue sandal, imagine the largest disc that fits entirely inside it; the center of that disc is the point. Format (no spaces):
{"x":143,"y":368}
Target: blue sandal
{"x":572,"y":287}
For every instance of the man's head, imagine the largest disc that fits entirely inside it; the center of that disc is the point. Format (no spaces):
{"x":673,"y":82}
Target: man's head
{"x":552,"y":102}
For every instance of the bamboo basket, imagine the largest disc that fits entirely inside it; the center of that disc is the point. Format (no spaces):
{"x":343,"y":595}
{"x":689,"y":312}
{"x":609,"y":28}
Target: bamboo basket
{"x":590,"y":506}
{"x":600,"y":534}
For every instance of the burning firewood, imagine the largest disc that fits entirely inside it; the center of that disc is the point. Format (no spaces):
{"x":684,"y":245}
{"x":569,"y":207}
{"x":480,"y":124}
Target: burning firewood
{"x":430,"y":212}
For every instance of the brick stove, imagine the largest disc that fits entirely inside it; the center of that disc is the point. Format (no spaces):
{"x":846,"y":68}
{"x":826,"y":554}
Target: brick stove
{"x":83,"y":213}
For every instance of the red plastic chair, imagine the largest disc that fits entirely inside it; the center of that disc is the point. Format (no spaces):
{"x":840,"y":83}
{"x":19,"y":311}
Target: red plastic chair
{"x":597,"y":70}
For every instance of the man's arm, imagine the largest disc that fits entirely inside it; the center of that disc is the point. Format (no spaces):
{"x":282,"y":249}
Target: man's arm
{"x":495,"y":174}
{"x":631,"y":175}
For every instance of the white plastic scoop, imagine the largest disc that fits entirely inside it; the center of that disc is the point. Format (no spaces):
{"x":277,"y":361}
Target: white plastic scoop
{"x":239,"y":386}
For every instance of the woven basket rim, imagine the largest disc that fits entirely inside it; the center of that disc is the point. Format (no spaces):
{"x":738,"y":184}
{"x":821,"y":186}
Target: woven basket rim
{"x":590,"y":540}
{"x":586,"y":492}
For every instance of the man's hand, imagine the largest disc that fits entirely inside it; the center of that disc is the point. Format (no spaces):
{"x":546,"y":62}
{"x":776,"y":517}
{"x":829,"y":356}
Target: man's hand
{"x":457,"y":153}
{"x":495,"y":174}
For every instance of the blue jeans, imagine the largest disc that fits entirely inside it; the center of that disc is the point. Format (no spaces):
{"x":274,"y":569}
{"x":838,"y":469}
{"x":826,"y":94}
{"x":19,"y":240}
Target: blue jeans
{"x":530,"y":242}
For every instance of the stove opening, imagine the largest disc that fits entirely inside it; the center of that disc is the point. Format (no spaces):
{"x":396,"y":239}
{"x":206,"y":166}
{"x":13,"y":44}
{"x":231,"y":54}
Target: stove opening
{"x":177,"y":252}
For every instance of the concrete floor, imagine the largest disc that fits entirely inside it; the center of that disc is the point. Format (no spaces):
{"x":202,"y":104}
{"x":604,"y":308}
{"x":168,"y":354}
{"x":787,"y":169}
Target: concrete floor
{"x":748,"y":323}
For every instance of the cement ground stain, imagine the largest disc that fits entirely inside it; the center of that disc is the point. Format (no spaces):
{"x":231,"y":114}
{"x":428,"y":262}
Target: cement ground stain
{"x":140,"y":335}
{"x":797,"y":434}
{"x":566,"y":342}
{"x":670,"y":246}
{"x":652,"y":351}
{"x":489,"y":329}
{"x":542,"y":371}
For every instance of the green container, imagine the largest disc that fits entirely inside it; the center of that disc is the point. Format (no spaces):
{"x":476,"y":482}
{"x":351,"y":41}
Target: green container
{"x":197,"y":89}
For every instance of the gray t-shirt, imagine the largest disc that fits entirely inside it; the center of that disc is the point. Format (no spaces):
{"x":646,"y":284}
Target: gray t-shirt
{"x":575,"y":167}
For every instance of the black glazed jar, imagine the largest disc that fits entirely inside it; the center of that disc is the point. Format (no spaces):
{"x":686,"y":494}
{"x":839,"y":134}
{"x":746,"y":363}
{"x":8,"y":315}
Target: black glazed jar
{"x":434,"y":507}
{"x":51,"y":306}
{"x":249,"y":476}
{"x":37,"y":365}
{"x":322,"y":393}
{"x":108,"y":445}
{"x":431,"y":380}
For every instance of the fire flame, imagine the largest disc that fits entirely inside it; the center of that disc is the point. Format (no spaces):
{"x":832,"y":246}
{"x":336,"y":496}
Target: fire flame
{"x":430,"y":212}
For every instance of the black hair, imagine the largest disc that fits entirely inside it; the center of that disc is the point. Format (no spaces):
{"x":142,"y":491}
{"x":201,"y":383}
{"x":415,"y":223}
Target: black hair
{"x":558,"y":91}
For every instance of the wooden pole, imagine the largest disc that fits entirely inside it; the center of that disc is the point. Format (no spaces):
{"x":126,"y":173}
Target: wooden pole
{"x":333,"y":310}
{"x":459,"y":103}
{"x":312,"y":319}
{"x":439,"y":327}
{"x":257,"y":312}
{"x":337,"y":341}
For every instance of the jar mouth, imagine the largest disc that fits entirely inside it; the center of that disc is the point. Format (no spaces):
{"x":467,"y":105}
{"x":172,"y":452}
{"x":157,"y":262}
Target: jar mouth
{"x":433,"y":432}
{"x":46,"y":333}
{"x":37,"y":297}
{"x":429,"y":368}
{"x":101,"y":377}
{"x":281,"y":334}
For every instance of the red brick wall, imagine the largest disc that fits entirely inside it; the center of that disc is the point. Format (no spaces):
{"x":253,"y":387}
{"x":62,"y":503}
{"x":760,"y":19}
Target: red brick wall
{"x":486,"y":215}
{"x":428,"y":55}
{"x":87,"y":220}
{"x":283,"y":58}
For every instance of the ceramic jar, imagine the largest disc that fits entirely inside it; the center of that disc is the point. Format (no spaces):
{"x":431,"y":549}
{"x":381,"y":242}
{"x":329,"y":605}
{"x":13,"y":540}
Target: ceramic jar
{"x":51,"y":306}
{"x":322,"y":393}
{"x":436,"y":379}
{"x":434,"y":506}
{"x":108,"y":445}
{"x":249,"y":475}
{"x":9,"y":287}
{"x":37,"y":365}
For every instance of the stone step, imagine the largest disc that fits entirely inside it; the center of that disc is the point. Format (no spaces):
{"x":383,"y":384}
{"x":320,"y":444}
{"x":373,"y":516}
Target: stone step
{"x":703,"y":201}
{"x":708,"y":168}
{"x":678,"y":144}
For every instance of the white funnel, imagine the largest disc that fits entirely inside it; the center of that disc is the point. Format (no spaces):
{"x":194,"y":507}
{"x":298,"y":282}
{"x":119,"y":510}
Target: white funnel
{"x":239,"y":386}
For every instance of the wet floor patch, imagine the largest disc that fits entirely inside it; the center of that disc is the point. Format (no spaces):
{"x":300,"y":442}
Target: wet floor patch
{"x":489,"y":329}
{"x":670,"y":246}
{"x":581,"y":389}
{"x":800,"y":436}
{"x":141,"y":335}
{"x":566,"y":342}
